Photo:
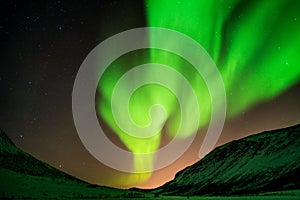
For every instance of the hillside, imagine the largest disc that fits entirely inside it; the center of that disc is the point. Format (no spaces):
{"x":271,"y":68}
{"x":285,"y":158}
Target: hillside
{"x":14,"y":159}
{"x":23,"y":176}
{"x":260,"y":163}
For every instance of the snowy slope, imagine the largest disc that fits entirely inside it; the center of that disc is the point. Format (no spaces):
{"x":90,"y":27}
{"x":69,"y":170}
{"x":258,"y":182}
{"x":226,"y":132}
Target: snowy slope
{"x":269,"y":161}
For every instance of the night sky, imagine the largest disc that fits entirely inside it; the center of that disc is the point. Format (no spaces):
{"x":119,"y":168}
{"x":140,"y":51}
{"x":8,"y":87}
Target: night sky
{"x":42,"y":47}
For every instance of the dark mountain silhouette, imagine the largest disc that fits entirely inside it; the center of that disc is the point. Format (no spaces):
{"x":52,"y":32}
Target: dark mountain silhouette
{"x":265,"y":162}
{"x":14,"y":159}
{"x":22,"y":176}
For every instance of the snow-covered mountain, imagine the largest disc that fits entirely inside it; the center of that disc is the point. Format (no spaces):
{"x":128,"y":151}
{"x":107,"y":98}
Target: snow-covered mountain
{"x":269,"y":161}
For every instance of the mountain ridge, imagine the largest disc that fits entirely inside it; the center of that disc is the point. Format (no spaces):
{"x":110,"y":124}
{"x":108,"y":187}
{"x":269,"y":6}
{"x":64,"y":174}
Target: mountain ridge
{"x":10,"y":154}
{"x":258,"y":163}
{"x":27,"y":177}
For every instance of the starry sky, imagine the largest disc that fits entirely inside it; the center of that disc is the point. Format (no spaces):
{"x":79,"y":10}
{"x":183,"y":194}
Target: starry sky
{"x":42,"y":47}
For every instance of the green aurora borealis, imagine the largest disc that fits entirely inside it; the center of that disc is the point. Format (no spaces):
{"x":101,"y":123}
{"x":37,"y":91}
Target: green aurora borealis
{"x":255,"y":45}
